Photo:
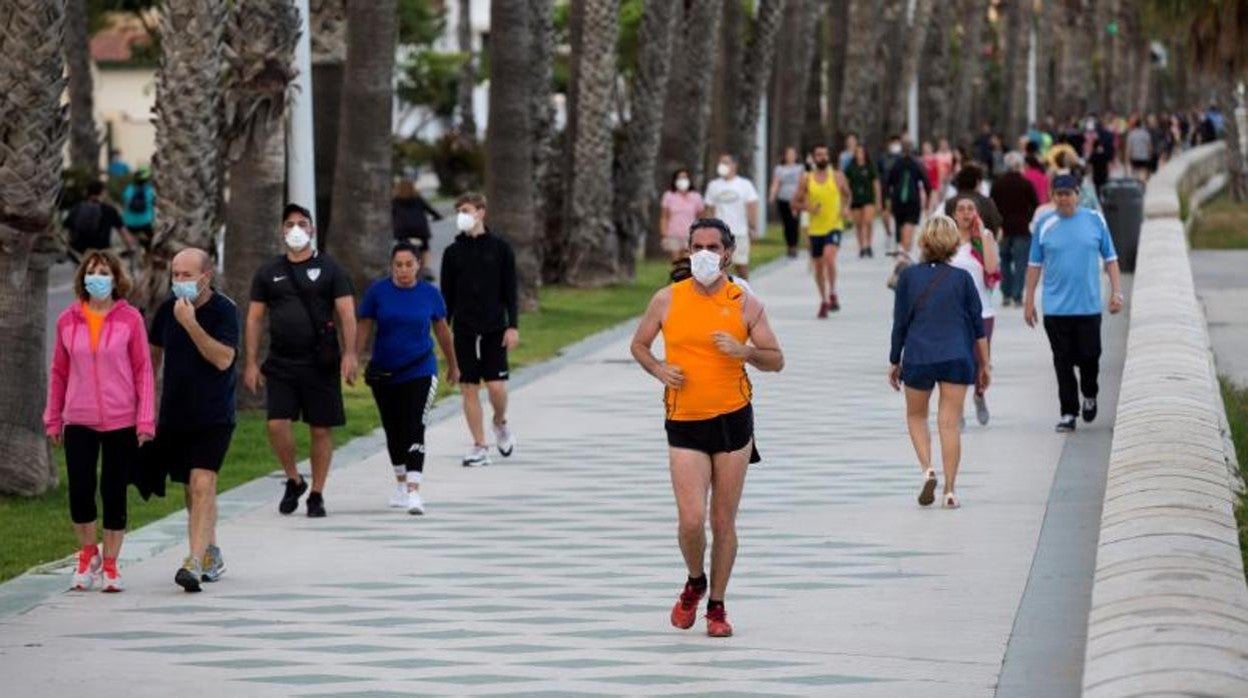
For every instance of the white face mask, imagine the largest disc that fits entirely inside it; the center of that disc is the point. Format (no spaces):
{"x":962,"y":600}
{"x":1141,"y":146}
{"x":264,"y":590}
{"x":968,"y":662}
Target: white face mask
{"x":705,"y":267}
{"x":682,"y":184}
{"x":895,"y":149}
{"x":297,"y":238}
{"x":465,"y":221}
{"x":723,"y":170}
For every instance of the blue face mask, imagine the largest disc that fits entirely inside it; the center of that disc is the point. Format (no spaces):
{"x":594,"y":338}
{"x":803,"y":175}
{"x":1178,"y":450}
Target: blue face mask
{"x":188,"y":290}
{"x":98,"y":286}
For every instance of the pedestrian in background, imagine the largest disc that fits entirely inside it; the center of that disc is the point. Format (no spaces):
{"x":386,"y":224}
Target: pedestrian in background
{"x":784,"y":181}
{"x":409,"y":216}
{"x":101,"y":407}
{"x":1016,"y":199}
{"x":678,"y":209}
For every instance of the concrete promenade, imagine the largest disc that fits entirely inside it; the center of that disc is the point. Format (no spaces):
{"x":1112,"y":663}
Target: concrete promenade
{"x":552,"y":573}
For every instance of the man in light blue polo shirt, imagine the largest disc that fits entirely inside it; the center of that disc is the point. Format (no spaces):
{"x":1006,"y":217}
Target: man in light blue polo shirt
{"x":1067,"y":247}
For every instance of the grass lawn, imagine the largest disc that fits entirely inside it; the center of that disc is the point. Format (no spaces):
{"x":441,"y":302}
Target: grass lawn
{"x":1221,"y":224}
{"x":37,"y":530}
{"x":1236,"y":400}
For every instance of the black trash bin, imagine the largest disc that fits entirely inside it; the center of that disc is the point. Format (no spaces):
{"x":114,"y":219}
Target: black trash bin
{"x":1123,"y":204}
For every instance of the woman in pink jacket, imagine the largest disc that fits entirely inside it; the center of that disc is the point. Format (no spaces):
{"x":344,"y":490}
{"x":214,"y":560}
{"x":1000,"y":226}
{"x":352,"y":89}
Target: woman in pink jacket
{"x":100,"y":402}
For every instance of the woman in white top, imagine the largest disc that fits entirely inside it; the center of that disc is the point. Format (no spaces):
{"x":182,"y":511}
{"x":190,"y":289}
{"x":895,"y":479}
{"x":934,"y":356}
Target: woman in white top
{"x":978,"y":255}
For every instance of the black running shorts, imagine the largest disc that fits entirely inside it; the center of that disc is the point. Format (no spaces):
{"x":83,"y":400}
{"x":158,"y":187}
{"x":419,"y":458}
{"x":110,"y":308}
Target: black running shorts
{"x":182,"y":450}
{"x":303,"y":392}
{"x":481,"y":357}
{"x":723,"y":434}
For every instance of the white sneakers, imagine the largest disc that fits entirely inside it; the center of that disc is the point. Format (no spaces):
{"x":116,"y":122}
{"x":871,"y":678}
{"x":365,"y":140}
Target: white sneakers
{"x":86,"y":572}
{"x":477,"y":455}
{"x":415,"y":506}
{"x":398,"y":500}
{"x":504,"y":439}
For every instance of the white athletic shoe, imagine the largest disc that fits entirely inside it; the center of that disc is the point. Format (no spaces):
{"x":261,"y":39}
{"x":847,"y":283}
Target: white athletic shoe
{"x":398,"y":500}
{"x":504,"y":439}
{"x":415,"y":506}
{"x":477,"y":455}
{"x":86,"y":572}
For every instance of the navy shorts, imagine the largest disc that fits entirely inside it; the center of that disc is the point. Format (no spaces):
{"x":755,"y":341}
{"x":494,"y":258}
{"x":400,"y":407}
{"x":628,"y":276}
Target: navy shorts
{"x":818,"y":242}
{"x":926,"y":376}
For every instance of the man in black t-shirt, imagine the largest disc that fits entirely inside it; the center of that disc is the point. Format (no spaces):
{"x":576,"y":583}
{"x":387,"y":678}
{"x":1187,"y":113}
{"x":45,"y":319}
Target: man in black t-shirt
{"x":195,"y":334}
{"x":302,"y":291}
{"x":91,"y":222}
{"x":479,"y":285}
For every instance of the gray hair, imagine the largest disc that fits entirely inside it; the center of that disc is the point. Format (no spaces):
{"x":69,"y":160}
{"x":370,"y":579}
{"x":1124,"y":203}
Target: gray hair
{"x":1014,"y":161}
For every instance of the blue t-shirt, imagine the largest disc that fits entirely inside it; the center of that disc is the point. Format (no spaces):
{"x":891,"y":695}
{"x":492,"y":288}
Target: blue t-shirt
{"x":1070,"y":250}
{"x":403,"y":317}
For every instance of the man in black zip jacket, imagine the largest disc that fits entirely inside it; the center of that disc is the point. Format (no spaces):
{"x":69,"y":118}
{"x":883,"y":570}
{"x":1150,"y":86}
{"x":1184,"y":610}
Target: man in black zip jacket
{"x":479,"y":285}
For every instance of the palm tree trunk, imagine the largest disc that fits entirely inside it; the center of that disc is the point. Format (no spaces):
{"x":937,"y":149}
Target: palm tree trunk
{"x":757,"y":63}
{"x":634,"y":196}
{"x":547,"y":196}
{"x":813,"y":124}
{"x":858,"y":109}
{"x":361,"y":199}
{"x":725,"y":75}
{"x":187,"y":165}
{"x":838,"y":55}
{"x":84,"y":138}
{"x":509,"y":140}
{"x":1017,"y":36}
{"x":593,"y":248}
{"x":1236,"y":171}
{"x":688,"y":106}
{"x":31,"y":146}
{"x":328,"y":21}
{"x":934,"y":74}
{"x":970,"y":63}
{"x":797,"y":76}
{"x":1074,"y":65}
{"x":915,"y":30}
{"x":467,"y":72}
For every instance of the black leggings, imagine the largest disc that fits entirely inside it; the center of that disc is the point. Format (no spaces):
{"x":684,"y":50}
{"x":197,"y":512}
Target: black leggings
{"x":83,"y":447}
{"x":1076,"y":342}
{"x":404,"y":409}
{"x":790,"y":222}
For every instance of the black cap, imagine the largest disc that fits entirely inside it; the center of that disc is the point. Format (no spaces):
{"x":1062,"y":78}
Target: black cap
{"x":295,"y":208}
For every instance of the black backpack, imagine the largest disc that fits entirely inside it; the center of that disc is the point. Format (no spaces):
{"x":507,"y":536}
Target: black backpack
{"x":138,"y":200}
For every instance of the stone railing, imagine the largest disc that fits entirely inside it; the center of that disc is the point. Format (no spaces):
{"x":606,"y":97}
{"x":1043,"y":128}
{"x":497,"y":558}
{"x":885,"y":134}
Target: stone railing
{"x":1169,"y":611}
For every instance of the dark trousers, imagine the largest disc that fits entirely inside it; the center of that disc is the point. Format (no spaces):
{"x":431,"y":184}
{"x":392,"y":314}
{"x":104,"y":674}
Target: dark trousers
{"x":117,"y":451}
{"x":1015,"y":249}
{"x":789,"y":219}
{"x":404,"y":409}
{"x":1076,"y":342}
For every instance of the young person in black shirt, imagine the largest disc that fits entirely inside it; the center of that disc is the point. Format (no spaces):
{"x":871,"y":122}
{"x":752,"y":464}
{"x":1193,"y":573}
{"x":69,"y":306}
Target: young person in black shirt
{"x":479,"y":285}
{"x":302,"y":291}
{"x":91,"y":222}
{"x":195,"y":334}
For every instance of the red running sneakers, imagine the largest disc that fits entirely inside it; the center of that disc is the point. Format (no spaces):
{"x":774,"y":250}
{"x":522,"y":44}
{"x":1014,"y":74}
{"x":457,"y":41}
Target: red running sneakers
{"x":685,"y":612}
{"x":87,"y":571}
{"x":112,"y":578}
{"x":717,"y":624}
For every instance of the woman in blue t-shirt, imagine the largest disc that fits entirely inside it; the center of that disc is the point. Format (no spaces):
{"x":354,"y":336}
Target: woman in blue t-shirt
{"x":403,"y":369}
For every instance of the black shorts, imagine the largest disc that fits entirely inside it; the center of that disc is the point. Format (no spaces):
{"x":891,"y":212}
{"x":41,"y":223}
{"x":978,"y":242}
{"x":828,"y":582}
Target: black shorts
{"x":818,"y":242}
{"x":180,"y":450}
{"x":481,"y":357}
{"x":1142,"y":164}
{"x":723,"y":434}
{"x":300,"y":391}
{"x":907,"y":214}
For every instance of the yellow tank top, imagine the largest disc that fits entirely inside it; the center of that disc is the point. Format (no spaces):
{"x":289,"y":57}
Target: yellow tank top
{"x":715,"y":384}
{"x":828,"y":196}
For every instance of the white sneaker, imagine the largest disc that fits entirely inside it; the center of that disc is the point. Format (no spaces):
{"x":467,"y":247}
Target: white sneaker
{"x":415,"y":506}
{"x":477,"y":455}
{"x":86,"y":572}
{"x":398,"y":500}
{"x":112,"y":581}
{"x":504,"y":439}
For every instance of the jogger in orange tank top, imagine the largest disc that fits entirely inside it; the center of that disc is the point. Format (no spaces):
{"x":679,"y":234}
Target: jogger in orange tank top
{"x":711,"y":330}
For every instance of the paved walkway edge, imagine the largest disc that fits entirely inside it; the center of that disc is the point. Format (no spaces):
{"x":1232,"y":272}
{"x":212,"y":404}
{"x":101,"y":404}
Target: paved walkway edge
{"x":24,"y":592}
{"x":1169,"y":604}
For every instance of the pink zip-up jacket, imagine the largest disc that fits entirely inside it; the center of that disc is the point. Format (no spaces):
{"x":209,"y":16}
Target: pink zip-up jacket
{"x":106,"y":389}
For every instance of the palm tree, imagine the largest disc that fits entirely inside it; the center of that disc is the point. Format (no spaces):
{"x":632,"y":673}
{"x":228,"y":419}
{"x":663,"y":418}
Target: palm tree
{"x":1216,"y":33}
{"x":1074,"y":62}
{"x":361,"y":197}
{"x":187,"y":164}
{"x":1016,"y":33}
{"x":593,"y":249}
{"x":467,"y":71}
{"x":813,"y":125}
{"x":260,"y":52}
{"x":934,"y":74}
{"x":904,"y":62}
{"x":31,"y":144}
{"x":547,"y":196}
{"x":328,"y":23}
{"x":796,"y":78}
{"x":755,"y":75}
{"x":859,"y":112}
{"x":84,"y":137}
{"x":509,"y":140}
{"x":838,"y":55}
{"x":688,"y":107}
{"x":970,"y":61}
{"x":634,"y":194}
